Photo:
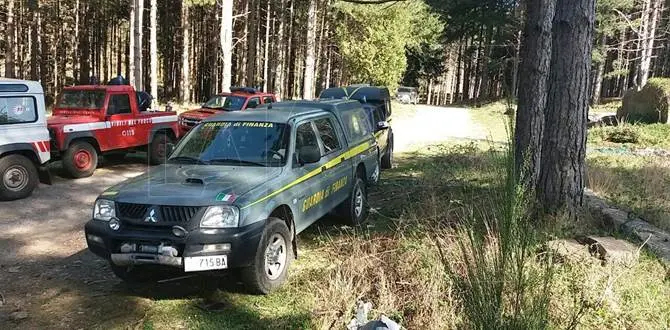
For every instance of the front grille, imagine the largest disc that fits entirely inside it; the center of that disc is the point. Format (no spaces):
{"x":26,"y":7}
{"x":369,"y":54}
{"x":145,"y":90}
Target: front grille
{"x":164,"y":214}
{"x":132,"y":211}
{"x":180,"y":214}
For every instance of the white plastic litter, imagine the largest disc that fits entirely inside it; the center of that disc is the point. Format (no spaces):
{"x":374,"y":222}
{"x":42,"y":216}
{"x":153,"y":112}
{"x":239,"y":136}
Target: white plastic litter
{"x":360,"y":322}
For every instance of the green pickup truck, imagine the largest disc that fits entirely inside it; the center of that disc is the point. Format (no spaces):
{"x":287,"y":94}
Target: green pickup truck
{"x":235,"y":192}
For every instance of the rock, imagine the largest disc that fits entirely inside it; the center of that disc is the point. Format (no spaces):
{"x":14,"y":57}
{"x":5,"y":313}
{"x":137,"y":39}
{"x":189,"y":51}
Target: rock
{"x":569,"y":249}
{"x":14,"y":269}
{"x":17,"y":316}
{"x":613,"y":250}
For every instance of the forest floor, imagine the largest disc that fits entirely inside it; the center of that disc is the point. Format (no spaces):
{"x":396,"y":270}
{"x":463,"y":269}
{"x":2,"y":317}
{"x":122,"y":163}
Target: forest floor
{"x":49,"y":280}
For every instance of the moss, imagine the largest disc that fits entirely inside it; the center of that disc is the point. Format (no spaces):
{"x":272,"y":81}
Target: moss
{"x":650,"y":105}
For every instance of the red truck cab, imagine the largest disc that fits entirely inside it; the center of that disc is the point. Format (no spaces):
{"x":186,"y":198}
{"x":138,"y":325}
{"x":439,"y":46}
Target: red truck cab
{"x":240,"y":98}
{"x":95,"y":119}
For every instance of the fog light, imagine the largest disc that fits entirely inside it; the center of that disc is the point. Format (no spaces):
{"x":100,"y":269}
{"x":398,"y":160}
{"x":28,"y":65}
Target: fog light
{"x":216,"y":247}
{"x":178,"y":231}
{"x":114,"y":224}
{"x":94,"y":238}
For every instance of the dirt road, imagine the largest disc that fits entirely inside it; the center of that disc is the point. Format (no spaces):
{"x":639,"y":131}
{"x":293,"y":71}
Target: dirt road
{"x":48,"y":279}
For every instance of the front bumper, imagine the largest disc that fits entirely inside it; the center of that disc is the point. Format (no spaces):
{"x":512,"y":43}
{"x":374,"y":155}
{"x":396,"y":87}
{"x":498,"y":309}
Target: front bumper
{"x":107,"y":243}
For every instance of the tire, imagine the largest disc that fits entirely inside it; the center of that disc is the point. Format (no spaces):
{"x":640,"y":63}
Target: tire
{"x":157,"y":151}
{"x":387,"y":159}
{"x":261,"y":278}
{"x":18,"y":177}
{"x":135,"y":274}
{"x":80,"y":160}
{"x":354,"y":210}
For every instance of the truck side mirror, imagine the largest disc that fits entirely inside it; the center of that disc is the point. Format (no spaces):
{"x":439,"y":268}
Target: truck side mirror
{"x":382,"y":125}
{"x":309,"y":155}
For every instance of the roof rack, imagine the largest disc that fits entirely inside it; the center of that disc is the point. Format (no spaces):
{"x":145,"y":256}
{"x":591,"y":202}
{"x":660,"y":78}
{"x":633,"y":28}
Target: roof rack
{"x":244,"y":89}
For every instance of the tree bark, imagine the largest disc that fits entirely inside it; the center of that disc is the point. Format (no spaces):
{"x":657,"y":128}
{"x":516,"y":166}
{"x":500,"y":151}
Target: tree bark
{"x":185,"y":88}
{"x":131,"y":45}
{"x":648,"y":39}
{"x":310,"y":61}
{"x":226,"y":36}
{"x":153,"y":45}
{"x":139,"y":15}
{"x":266,"y":50}
{"x":251,"y":43}
{"x":561,"y":182}
{"x":9,"y":51}
{"x":533,"y":84}
{"x":280,"y":51}
{"x":600,"y":72}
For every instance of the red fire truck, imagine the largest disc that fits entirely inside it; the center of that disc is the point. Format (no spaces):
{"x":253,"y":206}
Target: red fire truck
{"x":92,"y":120}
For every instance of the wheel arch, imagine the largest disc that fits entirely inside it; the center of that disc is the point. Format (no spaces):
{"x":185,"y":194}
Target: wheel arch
{"x":285,"y":213}
{"x":163,"y":129}
{"x":23,"y":149}
{"x":82,"y":136}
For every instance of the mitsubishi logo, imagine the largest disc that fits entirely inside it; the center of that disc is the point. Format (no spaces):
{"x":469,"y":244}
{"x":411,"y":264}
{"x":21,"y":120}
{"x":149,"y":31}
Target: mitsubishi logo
{"x":152,"y":216}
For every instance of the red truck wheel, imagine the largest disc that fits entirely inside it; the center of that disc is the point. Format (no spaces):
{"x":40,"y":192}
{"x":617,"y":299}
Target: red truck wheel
{"x":158,"y":149}
{"x":80,"y":160}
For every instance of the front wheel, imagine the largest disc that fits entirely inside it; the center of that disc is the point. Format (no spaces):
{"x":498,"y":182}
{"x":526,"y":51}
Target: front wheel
{"x":158,"y":149}
{"x":80,"y":160}
{"x":354,"y":210}
{"x":19,"y":177}
{"x":272,"y":259}
{"x":387,"y":159}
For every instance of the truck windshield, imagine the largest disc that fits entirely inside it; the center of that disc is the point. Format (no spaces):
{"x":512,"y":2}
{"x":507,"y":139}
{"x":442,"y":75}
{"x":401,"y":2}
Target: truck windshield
{"x":240,"y":143}
{"x":225,"y":102}
{"x":81,"y":100}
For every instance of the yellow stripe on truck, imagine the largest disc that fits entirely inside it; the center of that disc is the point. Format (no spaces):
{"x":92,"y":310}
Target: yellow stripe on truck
{"x":351,"y":153}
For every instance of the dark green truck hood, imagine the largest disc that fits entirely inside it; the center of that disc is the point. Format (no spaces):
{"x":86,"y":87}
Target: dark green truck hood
{"x":191,"y":185}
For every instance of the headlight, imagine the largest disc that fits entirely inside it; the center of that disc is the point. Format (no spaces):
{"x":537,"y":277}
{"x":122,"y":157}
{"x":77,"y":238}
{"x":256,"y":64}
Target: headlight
{"x":223,"y":216}
{"x":104,"y":210}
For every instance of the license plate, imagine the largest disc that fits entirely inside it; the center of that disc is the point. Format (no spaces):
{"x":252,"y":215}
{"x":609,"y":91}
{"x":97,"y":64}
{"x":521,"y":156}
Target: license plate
{"x":194,"y":264}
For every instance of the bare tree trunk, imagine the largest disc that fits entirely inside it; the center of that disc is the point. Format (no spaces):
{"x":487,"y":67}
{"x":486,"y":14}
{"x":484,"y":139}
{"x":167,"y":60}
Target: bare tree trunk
{"x":280,"y":51}
{"x":131,"y":47}
{"x":533,"y":84}
{"x":561,"y":182}
{"x":328,"y":67}
{"x":430,"y":91}
{"x":600,"y":72}
{"x":308,"y":82}
{"x":139,"y":14}
{"x":648,"y":40}
{"x":251,"y":43}
{"x":266,"y":52}
{"x":226,"y":36}
{"x":185,"y":88}
{"x":9,"y":50}
{"x":153,"y":48}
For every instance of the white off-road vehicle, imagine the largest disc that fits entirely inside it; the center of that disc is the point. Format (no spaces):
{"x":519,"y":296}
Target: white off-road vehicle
{"x":24,"y":138}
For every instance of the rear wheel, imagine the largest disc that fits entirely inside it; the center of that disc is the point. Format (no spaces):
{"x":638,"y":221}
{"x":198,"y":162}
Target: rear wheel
{"x":158,"y":149}
{"x":387,"y":159}
{"x":19,"y":177}
{"x":355,"y":209}
{"x":80,"y":160}
{"x":272,"y":260}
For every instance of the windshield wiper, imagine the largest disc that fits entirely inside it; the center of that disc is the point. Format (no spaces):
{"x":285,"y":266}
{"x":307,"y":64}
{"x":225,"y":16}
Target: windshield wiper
{"x":239,"y":161}
{"x":184,"y":159}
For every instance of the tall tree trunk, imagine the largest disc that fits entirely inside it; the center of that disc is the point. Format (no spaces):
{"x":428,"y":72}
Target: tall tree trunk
{"x":226,"y":36}
{"x":185,"y":88}
{"x":9,"y":50}
{"x":310,"y":42}
{"x":648,"y":40}
{"x":153,"y":45}
{"x":533,"y":84}
{"x":266,"y":51}
{"x":280,"y":51}
{"x":131,"y":45}
{"x":251,"y":43}
{"x":35,"y":53}
{"x":561,"y":182}
{"x":600,"y":71}
{"x":139,"y":15}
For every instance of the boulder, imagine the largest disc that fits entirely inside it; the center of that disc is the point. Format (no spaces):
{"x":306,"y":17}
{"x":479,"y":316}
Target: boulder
{"x":649,"y":105}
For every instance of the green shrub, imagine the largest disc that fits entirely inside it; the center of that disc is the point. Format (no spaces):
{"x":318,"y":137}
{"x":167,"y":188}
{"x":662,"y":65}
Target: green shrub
{"x":622,"y":134}
{"x":650,"y":105}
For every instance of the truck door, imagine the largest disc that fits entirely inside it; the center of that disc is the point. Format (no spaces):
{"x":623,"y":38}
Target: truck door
{"x":336,"y":176}
{"x":122,"y":131}
{"x":308,"y":191}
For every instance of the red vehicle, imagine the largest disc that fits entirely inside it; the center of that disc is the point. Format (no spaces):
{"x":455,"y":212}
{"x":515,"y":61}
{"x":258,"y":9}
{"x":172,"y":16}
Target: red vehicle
{"x":91,"y":120}
{"x":240,"y":98}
